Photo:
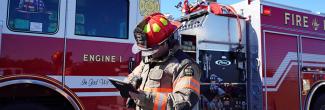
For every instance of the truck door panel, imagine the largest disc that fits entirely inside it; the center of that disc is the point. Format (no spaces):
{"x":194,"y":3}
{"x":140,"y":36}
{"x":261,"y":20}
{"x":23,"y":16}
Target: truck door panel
{"x":280,"y":71}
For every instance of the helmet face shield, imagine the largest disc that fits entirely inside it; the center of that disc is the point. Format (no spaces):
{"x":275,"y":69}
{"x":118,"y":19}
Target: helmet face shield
{"x":149,"y":52}
{"x":152,"y":50}
{"x":144,"y":51}
{"x":140,"y":38}
{"x":141,"y":42}
{"x":141,"y":45}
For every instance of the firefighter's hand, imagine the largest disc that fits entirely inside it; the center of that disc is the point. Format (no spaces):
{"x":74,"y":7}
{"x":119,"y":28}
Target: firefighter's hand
{"x":138,"y":96}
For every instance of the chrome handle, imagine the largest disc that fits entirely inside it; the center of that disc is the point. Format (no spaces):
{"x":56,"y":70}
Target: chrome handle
{"x":131,"y":64}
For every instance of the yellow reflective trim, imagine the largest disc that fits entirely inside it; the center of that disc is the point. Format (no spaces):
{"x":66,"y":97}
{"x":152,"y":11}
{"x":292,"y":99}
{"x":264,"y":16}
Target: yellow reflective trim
{"x":163,"y":21}
{"x":146,"y":28}
{"x":156,"y":27}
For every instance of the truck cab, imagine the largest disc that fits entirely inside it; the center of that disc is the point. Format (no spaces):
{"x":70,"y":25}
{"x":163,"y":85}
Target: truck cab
{"x":54,"y":51}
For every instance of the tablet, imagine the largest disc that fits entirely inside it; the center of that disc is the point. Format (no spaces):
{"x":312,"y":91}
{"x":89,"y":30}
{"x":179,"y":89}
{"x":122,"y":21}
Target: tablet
{"x":123,"y":87}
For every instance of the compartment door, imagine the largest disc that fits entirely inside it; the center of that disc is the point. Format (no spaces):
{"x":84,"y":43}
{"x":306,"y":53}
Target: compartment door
{"x":280,"y":71}
{"x":313,"y":63}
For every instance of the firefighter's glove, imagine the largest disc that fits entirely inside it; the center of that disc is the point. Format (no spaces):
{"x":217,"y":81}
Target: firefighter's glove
{"x":141,"y":98}
{"x":136,"y":82}
{"x":138,"y":96}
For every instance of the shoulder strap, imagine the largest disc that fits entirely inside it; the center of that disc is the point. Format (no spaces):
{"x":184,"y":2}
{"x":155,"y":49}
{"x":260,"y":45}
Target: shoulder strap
{"x":184,"y":60}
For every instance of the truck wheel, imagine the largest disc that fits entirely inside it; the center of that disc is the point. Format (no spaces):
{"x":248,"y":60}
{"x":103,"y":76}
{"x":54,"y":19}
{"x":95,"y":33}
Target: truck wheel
{"x":319,"y":103}
{"x":25,"y":106}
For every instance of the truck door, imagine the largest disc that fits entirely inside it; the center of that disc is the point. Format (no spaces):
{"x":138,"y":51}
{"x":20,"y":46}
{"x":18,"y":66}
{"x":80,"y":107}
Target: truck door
{"x":31,"y":34}
{"x":99,"y":45}
{"x":280,"y":70}
{"x":313,"y":60}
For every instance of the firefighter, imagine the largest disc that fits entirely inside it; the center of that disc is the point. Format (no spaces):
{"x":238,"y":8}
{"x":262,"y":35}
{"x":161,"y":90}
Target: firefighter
{"x":166,"y":78}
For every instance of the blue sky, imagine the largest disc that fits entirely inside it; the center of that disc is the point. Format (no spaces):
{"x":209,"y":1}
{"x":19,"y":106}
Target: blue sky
{"x":168,"y":6}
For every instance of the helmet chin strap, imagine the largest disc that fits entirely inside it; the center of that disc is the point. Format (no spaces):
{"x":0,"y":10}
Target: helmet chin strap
{"x":150,"y":59}
{"x":172,"y":48}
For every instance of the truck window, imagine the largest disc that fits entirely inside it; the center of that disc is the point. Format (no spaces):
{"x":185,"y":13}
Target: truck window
{"x":102,"y":18}
{"x":37,"y":16}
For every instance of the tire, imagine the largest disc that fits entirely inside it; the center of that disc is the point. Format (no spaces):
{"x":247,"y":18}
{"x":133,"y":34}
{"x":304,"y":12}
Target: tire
{"x":25,"y":106}
{"x":319,"y":103}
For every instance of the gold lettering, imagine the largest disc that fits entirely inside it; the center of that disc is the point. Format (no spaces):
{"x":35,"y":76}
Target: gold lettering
{"x":97,"y":58}
{"x":298,"y":20}
{"x":286,"y":17}
{"x":305,"y":24}
{"x":113,"y":58}
{"x":101,"y":58}
{"x":92,"y":58}
{"x":107,"y":59}
{"x":85,"y":57}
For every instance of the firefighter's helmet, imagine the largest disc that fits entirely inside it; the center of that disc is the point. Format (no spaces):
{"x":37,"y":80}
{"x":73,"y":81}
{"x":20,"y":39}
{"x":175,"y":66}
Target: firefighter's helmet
{"x":151,"y":32}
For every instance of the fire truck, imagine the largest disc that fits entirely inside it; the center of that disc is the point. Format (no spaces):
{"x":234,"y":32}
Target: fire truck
{"x":59,"y":54}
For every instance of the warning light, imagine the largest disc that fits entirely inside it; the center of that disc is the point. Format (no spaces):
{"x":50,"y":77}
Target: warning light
{"x":266,"y":11}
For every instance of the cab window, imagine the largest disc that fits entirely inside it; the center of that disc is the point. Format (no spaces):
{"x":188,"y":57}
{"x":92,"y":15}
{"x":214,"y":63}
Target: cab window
{"x":102,"y":18}
{"x":39,"y":16}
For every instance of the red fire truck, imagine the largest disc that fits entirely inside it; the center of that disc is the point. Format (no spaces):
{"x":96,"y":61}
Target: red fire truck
{"x":58,"y":54}
{"x":285,"y":55}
